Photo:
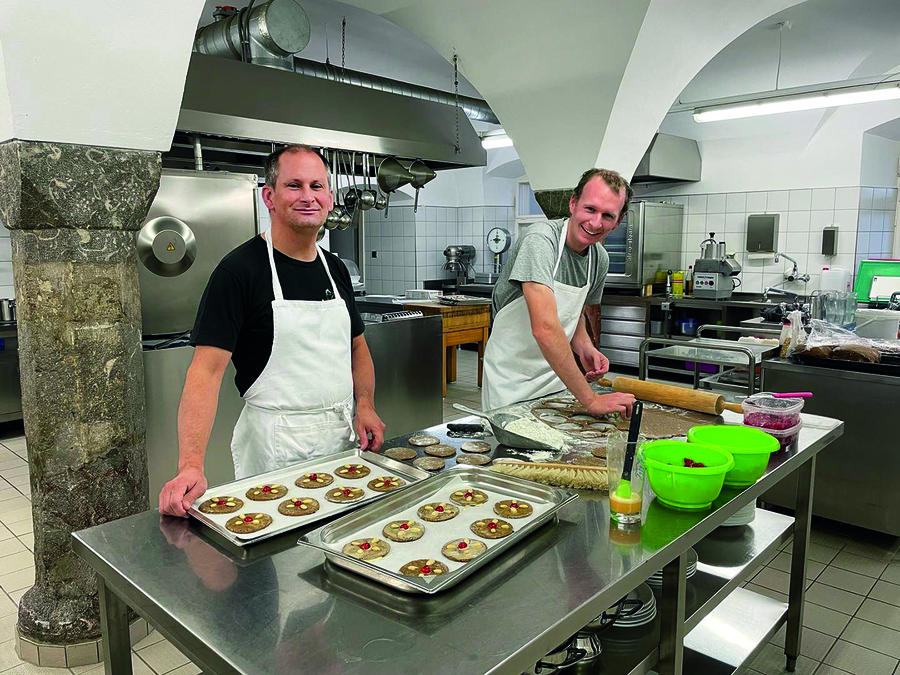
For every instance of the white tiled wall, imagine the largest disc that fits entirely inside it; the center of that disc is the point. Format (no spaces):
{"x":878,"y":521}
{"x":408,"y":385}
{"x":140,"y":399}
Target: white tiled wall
{"x":6,"y":274}
{"x":864,"y":216}
{"x":409,"y":246}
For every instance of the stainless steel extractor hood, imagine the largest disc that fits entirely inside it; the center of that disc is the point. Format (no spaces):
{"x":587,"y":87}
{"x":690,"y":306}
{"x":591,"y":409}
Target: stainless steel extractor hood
{"x":236,"y":100}
{"x":669,"y":159}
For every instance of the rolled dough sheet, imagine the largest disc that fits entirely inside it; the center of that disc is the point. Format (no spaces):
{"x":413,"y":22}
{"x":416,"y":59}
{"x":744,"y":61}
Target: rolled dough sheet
{"x":660,"y":422}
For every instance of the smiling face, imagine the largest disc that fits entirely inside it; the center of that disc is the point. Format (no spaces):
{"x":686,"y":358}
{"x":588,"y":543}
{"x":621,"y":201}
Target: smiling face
{"x":594,"y":215}
{"x":301,"y":198}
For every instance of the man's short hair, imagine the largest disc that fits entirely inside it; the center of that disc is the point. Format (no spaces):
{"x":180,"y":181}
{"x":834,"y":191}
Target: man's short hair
{"x":271,"y":164}
{"x":613,"y":180}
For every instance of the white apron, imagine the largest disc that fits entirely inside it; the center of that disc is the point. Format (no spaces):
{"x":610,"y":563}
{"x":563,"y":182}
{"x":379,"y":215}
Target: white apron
{"x":515,"y":370}
{"x":301,"y":405}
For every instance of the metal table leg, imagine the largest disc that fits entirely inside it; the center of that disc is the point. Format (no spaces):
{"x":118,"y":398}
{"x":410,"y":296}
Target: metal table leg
{"x":802,"y":518}
{"x":671,"y":611}
{"x":116,"y":635}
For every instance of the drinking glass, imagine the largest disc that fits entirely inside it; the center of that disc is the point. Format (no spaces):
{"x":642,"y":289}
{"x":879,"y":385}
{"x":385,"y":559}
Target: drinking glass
{"x":624,"y":510}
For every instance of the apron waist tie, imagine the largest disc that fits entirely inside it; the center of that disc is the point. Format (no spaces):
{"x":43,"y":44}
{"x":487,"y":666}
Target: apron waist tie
{"x":343,"y":408}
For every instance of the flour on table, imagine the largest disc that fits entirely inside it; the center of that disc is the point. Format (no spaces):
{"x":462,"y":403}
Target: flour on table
{"x":537,"y":431}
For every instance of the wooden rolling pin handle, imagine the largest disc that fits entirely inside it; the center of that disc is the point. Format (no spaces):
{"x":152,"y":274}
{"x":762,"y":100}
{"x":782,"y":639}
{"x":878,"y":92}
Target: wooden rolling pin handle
{"x":734,"y":407}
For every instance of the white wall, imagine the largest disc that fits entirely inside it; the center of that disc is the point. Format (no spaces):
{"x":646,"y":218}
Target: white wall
{"x":106,"y":73}
{"x":879,"y":161}
{"x":6,"y":123}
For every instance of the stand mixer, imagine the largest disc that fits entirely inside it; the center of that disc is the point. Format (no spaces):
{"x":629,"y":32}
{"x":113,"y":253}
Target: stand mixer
{"x":459,"y":259}
{"x":714,"y":271}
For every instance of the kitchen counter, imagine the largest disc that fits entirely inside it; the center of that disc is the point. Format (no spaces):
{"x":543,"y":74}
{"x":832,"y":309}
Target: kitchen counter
{"x":280,"y":609}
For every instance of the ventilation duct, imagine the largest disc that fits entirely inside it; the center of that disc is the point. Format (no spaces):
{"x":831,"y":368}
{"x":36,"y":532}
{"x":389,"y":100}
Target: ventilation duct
{"x":669,"y":159}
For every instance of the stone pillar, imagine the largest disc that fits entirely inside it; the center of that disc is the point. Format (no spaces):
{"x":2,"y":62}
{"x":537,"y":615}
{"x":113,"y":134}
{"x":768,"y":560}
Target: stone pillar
{"x":554,"y":203}
{"x":73,"y":211}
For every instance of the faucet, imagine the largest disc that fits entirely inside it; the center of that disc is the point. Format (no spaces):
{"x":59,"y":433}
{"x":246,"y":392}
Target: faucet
{"x":782,"y":291}
{"x":794,"y":274}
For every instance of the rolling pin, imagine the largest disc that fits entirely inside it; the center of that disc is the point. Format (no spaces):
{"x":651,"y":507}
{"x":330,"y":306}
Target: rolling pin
{"x":667,"y":394}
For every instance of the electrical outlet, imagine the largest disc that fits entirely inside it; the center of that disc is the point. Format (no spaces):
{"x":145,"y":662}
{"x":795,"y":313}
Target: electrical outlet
{"x":374,"y":254}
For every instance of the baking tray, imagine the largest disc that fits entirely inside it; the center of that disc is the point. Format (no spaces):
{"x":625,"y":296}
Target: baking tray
{"x":402,"y":505}
{"x":378,"y":464}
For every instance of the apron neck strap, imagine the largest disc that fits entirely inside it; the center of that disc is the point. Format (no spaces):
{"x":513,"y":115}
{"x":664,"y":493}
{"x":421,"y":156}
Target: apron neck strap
{"x":562,"y":245}
{"x":276,"y":284}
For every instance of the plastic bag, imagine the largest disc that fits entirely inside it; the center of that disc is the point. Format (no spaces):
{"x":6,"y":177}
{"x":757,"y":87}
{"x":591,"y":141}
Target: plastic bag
{"x":826,"y":340}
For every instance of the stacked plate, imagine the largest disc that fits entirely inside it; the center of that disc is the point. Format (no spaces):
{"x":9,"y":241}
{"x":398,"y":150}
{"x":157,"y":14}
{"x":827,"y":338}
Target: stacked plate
{"x":742,"y":517}
{"x":656,"y":578}
{"x":637,"y":614}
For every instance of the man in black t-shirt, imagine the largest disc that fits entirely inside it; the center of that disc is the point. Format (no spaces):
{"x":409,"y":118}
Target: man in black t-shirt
{"x":282,"y":310}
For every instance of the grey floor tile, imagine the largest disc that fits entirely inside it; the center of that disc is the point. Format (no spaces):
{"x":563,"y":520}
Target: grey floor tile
{"x":886,"y":592}
{"x":773,"y":579}
{"x":855,"y":659}
{"x":834,"y":598}
{"x":860,"y":565}
{"x":813,"y":644}
{"x":186,"y":669}
{"x":151,"y":639}
{"x":877,"y":549}
{"x":825,"y":669}
{"x":892,"y":572}
{"x":163,"y":656}
{"x":848,"y":581}
{"x":880,"y":613}
{"x":824,"y":620}
{"x":877,"y":638}
{"x":768,"y":592}
{"x":819,"y":553}
{"x":771,"y":661}
{"x":782,"y":562}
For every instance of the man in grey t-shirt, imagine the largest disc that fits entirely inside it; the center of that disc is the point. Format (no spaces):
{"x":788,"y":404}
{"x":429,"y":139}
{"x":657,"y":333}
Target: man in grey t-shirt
{"x":555,"y":270}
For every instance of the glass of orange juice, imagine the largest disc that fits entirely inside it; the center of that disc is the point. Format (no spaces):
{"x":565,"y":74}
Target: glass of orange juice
{"x":624,"y":508}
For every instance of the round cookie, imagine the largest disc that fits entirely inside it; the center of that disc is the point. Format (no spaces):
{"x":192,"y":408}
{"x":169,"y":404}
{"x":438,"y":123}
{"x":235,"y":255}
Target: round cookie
{"x":245,"y":523}
{"x":341,"y":495}
{"x":403,"y":530}
{"x":475,"y":446}
{"x":513,"y":508}
{"x":582,"y":418}
{"x":441,"y":450}
{"x":491,"y":528}
{"x":386,"y":483}
{"x":463,"y":550}
{"x":401,"y":453}
{"x":423,"y":439}
{"x":266,"y":493}
{"x":437,"y":512}
{"x":429,"y":463}
{"x":367,"y":549}
{"x":469,"y":497}
{"x":477,"y":460}
{"x":221,"y":505}
{"x":316,"y":479}
{"x":424,"y":568}
{"x":298,"y":506}
{"x":352,"y":471}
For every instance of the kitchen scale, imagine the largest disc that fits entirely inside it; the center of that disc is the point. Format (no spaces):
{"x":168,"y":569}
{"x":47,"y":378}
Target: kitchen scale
{"x":498,"y":242}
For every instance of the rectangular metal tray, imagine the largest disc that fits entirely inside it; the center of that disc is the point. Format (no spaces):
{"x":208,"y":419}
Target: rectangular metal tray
{"x":379,"y":465}
{"x":369,"y":521}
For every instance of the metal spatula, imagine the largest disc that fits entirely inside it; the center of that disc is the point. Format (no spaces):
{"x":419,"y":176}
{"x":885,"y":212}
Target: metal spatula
{"x":498,"y":421}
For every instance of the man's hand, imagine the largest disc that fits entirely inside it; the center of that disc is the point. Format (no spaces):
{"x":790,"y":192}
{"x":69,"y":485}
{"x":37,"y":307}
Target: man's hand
{"x":367,"y":421}
{"x":594,"y":363}
{"x":603,"y":404}
{"x":178,"y":494}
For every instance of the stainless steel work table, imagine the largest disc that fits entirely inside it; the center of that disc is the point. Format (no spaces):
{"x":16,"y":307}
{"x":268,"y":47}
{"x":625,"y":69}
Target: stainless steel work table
{"x":284,"y":610}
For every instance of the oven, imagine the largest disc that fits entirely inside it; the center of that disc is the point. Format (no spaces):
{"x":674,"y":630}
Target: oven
{"x":648,"y":241}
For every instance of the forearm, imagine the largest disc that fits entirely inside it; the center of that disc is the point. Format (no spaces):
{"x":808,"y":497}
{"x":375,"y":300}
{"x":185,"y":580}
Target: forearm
{"x":581,"y":340}
{"x":558,"y":352}
{"x":196,"y":414}
{"x":363,"y":371}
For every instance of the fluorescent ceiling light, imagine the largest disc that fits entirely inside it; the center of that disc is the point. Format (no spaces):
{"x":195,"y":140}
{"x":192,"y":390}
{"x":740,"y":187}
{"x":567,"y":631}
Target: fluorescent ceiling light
{"x":794,"y":103}
{"x":496,"y":141}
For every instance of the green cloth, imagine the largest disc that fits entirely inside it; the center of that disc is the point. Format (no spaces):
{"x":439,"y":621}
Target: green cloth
{"x":534,"y":256}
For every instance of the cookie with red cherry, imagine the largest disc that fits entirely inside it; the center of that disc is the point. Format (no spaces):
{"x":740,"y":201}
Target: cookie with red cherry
{"x":221,"y":505}
{"x":247,"y":523}
{"x":469,"y":496}
{"x":424,"y":568}
{"x":437,"y":512}
{"x":491,"y":528}
{"x":386,"y":483}
{"x":513,"y":508}
{"x":463,"y":550}
{"x":353,"y":471}
{"x":265,"y":493}
{"x":313,"y":480}
{"x":403,"y":530}
{"x":343,"y":494}
{"x":298,"y":506}
{"x":367,"y":549}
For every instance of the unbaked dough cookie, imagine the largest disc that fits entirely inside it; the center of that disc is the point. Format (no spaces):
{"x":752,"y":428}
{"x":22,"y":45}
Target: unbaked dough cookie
{"x":245,"y":523}
{"x":469,"y":497}
{"x":386,"y":483}
{"x":401,"y":453}
{"x":403,"y":530}
{"x":441,"y":450}
{"x":553,"y":418}
{"x":221,"y":505}
{"x":478,"y":460}
{"x":591,"y":434}
{"x":599,"y":451}
{"x":589,"y":461}
{"x":437,"y":512}
{"x":353,"y":471}
{"x":423,"y":439}
{"x":265,"y":493}
{"x":340,"y":495}
{"x":491,"y":528}
{"x":475,"y":446}
{"x":582,"y":418}
{"x":298,"y":506}
{"x":602,"y":427}
{"x":316,"y":479}
{"x":567,"y":426}
{"x":513,"y":508}
{"x":424,"y":568}
{"x":367,"y":549}
{"x":429,"y":463}
{"x":463,"y":550}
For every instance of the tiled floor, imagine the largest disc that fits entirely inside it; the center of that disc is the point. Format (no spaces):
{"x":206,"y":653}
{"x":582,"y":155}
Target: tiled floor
{"x":851,"y":619}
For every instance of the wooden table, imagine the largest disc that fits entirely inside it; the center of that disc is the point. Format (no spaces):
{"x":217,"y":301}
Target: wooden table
{"x":462,"y":324}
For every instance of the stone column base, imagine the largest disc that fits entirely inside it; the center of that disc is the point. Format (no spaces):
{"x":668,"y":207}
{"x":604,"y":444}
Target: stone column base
{"x":69,"y":656}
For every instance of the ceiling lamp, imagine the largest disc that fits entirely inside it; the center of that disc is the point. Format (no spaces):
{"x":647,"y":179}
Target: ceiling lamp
{"x":496,"y":139}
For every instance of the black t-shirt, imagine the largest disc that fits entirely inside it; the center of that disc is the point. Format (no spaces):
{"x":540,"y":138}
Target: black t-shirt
{"x":235,"y":313}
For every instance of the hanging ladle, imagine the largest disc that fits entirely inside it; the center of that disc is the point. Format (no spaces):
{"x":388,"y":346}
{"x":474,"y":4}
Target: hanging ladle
{"x":421,"y":174}
{"x":334,"y":216}
{"x":367,"y":196}
{"x":392,"y":176}
{"x":346,"y":219}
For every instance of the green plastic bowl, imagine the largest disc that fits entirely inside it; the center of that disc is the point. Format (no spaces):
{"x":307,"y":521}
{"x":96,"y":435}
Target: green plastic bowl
{"x":680,"y":487}
{"x":749,"y":446}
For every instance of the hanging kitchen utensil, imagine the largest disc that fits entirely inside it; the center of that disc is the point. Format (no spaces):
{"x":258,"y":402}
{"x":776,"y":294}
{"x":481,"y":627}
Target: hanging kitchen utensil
{"x":391,"y":177}
{"x":380,"y":199}
{"x":421,"y":174}
{"x":351,"y":199}
{"x":367,"y":196}
{"x":334,"y":216}
{"x":346,"y":219}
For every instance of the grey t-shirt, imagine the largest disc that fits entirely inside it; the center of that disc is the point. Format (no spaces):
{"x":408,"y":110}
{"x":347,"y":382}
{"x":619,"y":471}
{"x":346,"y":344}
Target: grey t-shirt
{"x":533,"y":259}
